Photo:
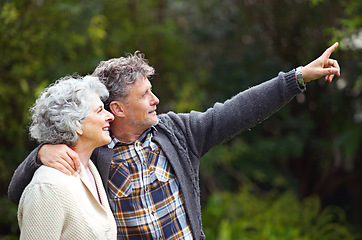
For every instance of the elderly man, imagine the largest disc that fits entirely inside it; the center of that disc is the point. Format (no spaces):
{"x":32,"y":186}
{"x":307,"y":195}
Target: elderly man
{"x":150,"y":169}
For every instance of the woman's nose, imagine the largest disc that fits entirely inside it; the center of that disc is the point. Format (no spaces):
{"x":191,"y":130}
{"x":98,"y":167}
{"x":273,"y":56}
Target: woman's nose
{"x":109,"y":117}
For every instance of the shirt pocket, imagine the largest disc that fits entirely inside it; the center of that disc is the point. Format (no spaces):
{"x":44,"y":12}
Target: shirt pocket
{"x":160,"y":174}
{"x":160,"y":168}
{"x":120,"y":180}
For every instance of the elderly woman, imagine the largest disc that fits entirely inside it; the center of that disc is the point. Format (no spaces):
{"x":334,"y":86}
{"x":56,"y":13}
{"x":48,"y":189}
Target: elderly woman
{"x":55,"y":205}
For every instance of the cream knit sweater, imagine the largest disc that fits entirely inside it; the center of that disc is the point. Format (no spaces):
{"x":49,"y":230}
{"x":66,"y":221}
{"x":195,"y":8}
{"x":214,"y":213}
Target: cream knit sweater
{"x":57,"y":206}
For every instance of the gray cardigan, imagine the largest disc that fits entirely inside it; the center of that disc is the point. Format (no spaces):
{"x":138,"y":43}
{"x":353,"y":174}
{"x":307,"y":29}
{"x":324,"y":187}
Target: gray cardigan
{"x":185,"y":138}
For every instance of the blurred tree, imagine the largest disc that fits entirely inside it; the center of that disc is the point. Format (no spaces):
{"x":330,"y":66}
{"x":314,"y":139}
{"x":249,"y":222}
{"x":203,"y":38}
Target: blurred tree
{"x":203,"y":51}
{"x":36,"y":49}
{"x":314,"y":143}
{"x":41,"y":41}
{"x":151,"y":28}
{"x":272,"y":215}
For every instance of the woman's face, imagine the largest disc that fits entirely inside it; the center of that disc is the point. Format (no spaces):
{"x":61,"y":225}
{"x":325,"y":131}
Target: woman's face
{"x":95,"y":128}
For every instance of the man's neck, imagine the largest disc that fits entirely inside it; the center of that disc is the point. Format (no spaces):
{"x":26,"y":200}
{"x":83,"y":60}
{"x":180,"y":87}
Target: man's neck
{"x":128,"y":137}
{"x":126,"y":133}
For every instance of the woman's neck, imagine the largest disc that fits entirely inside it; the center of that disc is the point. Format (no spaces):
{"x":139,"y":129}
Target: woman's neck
{"x":84,"y":153}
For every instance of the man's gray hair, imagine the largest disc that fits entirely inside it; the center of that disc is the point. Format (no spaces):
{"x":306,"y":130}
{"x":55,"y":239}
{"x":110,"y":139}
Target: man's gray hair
{"x":119,"y":73}
{"x":62,"y":108}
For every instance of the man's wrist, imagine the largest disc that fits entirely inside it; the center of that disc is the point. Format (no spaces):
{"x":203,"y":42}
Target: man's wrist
{"x":299,"y":75}
{"x":37,"y":159}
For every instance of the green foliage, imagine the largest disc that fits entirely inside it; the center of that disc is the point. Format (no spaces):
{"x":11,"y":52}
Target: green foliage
{"x":41,"y":41}
{"x":8,"y":211}
{"x":206,"y":51}
{"x":8,"y":221}
{"x":313,"y":144}
{"x":271,"y":215}
{"x":36,"y":49}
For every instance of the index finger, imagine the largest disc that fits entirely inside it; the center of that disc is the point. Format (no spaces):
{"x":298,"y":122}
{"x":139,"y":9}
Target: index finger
{"x":330,"y":50}
{"x":75,"y":161}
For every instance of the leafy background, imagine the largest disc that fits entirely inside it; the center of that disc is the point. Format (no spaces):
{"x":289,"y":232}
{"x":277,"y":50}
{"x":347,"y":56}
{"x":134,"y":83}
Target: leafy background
{"x":297,"y":175}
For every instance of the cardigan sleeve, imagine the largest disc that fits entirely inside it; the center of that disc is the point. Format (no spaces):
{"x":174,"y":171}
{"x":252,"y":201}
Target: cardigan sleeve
{"x":23,"y":175}
{"x":40,"y":213}
{"x":205,"y":130}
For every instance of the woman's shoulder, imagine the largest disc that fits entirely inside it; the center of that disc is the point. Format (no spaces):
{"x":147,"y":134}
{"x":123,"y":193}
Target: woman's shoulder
{"x":51,"y":176}
{"x":48,"y":182}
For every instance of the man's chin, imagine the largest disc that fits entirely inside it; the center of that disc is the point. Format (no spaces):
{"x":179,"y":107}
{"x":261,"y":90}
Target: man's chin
{"x":155,"y":122}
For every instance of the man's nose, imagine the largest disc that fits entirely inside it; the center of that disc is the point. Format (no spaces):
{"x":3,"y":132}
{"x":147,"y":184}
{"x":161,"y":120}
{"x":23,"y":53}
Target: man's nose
{"x":155,"y":100}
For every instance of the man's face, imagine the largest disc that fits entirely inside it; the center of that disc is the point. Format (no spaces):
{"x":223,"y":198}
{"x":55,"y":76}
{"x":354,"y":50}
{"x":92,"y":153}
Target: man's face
{"x":140,"y":105}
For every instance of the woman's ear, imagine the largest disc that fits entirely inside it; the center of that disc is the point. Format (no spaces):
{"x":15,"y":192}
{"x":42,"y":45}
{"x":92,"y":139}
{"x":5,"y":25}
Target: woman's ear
{"x":117,"y":108}
{"x":80,"y":132}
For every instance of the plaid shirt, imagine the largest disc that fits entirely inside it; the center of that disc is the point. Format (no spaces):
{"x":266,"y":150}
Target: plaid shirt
{"x":145,"y":197}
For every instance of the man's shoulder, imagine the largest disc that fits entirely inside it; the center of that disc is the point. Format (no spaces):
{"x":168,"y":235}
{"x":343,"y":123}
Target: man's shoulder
{"x":170,"y":119}
{"x":172,"y":126}
{"x":168,"y":122}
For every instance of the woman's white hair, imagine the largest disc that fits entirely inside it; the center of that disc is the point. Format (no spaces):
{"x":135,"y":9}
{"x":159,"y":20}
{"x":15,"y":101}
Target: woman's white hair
{"x":62,"y":107}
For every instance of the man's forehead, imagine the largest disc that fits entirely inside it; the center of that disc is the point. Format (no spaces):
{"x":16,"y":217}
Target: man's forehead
{"x":139,"y":86}
{"x":142,"y":82}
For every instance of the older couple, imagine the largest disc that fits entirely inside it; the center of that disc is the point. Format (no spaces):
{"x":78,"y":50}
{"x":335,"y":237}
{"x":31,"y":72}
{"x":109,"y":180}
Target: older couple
{"x":149,"y":166}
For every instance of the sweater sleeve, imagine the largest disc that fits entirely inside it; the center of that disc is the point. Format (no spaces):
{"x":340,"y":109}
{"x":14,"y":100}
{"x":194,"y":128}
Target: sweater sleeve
{"x":40,"y":213}
{"x":205,"y":130}
{"x":22,"y":176}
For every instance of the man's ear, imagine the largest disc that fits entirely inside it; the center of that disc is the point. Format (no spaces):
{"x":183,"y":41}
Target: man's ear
{"x":117,"y":108}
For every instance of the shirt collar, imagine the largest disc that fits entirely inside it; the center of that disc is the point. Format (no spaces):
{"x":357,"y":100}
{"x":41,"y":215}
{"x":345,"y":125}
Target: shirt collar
{"x":115,"y":140}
